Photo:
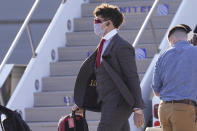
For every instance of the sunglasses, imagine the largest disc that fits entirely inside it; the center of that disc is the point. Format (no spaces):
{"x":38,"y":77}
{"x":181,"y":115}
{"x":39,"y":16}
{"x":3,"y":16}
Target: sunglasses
{"x":97,"y":21}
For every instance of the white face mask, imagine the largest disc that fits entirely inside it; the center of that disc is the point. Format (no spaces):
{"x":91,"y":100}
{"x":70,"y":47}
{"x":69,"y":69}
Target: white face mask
{"x":98,"y":29}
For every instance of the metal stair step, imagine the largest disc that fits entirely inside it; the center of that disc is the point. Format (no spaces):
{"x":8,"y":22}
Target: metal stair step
{"x":131,"y":22}
{"x":53,"y":114}
{"x":66,"y":68}
{"x":59,"y":83}
{"x":90,"y":39}
{"x":58,"y":98}
{"x":130,"y":8}
{"x":72,"y":67}
{"x":82,"y":52}
{"x":75,"y":53}
{"x":43,"y":126}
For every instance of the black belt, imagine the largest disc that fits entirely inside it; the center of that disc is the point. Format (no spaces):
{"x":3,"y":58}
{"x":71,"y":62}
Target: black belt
{"x":189,"y":102}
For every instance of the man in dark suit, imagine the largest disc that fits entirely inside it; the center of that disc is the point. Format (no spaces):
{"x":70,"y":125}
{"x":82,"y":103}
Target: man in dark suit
{"x":114,"y":66}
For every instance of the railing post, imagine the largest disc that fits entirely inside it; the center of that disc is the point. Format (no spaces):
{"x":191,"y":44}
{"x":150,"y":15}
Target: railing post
{"x":63,"y":1}
{"x":30,"y":40}
{"x":154,"y":35}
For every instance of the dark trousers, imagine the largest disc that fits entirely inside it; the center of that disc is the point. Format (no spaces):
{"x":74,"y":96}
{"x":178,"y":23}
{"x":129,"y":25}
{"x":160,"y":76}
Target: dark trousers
{"x":114,"y":116}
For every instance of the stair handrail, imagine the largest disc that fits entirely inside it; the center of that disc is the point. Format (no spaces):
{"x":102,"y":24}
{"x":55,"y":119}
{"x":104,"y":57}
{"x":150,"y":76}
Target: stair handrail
{"x":18,"y":36}
{"x":145,"y":23}
{"x":39,"y":67}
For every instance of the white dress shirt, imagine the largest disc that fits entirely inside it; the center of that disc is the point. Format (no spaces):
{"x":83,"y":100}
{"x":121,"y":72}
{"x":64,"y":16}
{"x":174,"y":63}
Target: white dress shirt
{"x":108,"y":38}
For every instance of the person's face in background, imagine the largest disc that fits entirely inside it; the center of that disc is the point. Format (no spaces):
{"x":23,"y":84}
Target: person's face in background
{"x":193,"y":40}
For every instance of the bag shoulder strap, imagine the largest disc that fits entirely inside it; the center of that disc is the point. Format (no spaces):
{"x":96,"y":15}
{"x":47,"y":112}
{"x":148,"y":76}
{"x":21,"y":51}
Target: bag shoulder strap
{"x":1,"y":123}
{"x":6,"y":111}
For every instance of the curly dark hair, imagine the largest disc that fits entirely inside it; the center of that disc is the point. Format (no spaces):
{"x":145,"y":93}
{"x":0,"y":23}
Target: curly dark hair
{"x":110,"y":12}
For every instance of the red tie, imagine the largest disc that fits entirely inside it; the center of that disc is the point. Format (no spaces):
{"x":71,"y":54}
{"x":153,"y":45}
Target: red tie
{"x":99,"y":52}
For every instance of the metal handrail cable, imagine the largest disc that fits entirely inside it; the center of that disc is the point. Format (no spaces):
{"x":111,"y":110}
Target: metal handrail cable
{"x":145,"y":23}
{"x":154,"y":35}
{"x":31,"y":40}
{"x":15,"y":41}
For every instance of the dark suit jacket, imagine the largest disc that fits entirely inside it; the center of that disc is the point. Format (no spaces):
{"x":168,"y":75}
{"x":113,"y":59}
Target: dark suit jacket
{"x":120,"y":56}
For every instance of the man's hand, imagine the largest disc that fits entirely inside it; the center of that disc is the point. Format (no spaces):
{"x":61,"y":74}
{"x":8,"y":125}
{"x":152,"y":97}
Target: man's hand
{"x":77,"y":109}
{"x":138,"y":118}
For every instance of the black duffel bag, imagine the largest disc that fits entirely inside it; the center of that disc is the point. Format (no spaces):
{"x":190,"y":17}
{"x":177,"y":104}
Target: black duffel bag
{"x":13,"y":120}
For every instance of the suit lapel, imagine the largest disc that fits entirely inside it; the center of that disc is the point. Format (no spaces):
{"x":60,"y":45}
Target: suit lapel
{"x":94,"y":54}
{"x":109,"y":47}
